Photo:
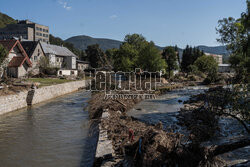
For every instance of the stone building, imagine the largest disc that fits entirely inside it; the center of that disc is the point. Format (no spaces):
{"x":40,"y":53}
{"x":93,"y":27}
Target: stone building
{"x":59,"y":56}
{"x":27,"y":30}
{"x":17,"y":61}
{"x":82,"y":65}
{"x":35,"y":53}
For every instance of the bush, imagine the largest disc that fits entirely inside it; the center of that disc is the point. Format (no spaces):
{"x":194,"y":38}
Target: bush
{"x":51,"y":70}
{"x":211,"y":78}
{"x":192,"y":78}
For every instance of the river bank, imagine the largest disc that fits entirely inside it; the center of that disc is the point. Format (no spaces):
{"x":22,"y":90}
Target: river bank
{"x":34,"y":96}
{"x":160,"y":147}
{"x":118,"y":125}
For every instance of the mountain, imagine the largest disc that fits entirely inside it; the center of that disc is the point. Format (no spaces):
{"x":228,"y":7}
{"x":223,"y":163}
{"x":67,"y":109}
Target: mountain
{"x":5,"y":19}
{"x":81,"y":42}
{"x":221,"y":50}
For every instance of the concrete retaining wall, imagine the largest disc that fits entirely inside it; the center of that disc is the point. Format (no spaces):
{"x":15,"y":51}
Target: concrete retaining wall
{"x":22,"y":99}
{"x":104,"y":156}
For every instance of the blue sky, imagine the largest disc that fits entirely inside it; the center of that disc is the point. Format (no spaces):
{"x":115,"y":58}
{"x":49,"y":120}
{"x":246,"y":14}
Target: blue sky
{"x":166,"y":22}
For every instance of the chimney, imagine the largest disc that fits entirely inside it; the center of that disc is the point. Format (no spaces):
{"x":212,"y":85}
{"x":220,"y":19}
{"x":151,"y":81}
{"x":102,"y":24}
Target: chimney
{"x":20,"y":38}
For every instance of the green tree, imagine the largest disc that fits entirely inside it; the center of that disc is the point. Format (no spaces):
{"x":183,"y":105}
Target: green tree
{"x":3,"y":54}
{"x":3,"y":61}
{"x":96,"y":56}
{"x":150,"y":59}
{"x":126,"y":57}
{"x":111,"y":53}
{"x":235,"y":101}
{"x":189,"y":56}
{"x":136,"y":40}
{"x":136,"y":52}
{"x":169,"y":54}
{"x":83,"y":56}
{"x":44,"y":63}
{"x":209,"y":66}
{"x":235,"y":34}
{"x":206,"y":64}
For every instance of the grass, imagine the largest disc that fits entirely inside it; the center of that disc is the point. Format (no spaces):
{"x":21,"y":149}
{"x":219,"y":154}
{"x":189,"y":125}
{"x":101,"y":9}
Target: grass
{"x":48,"y":81}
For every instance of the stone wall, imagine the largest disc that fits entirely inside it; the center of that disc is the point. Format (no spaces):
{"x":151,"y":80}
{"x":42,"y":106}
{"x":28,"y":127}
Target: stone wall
{"x":22,"y":99}
{"x":105,"y":153}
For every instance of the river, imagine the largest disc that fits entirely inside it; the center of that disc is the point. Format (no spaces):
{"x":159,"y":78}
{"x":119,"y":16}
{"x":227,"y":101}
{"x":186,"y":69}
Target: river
{"x":59,"y":133}
{"x":165,"y":109}
{"x":52,"y":134}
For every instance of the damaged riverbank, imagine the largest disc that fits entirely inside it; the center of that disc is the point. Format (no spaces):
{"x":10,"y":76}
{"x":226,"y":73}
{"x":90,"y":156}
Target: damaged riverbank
{"x":136,"y":143}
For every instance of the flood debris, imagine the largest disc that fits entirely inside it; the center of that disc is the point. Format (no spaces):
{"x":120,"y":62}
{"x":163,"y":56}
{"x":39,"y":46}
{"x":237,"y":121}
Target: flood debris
{"x":136,"y":143}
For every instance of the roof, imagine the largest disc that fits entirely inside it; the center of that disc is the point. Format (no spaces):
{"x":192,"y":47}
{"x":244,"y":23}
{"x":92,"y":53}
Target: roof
{"x":57,"y":50}
{"x":29,"y":47}
{"x":9,"y":45}
{"x":212,"y":54}
{"x":83,"y":62}
{"x":17,"y":61}
{"x":224,"y":65}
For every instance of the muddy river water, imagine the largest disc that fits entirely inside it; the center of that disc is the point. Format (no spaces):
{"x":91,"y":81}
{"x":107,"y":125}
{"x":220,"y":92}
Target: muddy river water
{"x":53,"y":134}
{"x":58,"y":133}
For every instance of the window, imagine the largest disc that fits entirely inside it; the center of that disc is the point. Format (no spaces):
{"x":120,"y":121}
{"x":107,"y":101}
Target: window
{"x":35,"y":58}
{"x":57,"y":59}
{"x":60,"y":72}
{"x":72,"y":72}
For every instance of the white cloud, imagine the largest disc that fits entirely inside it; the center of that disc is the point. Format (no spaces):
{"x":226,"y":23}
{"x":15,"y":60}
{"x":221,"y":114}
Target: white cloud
{"x":64,"y":4}
{"x":113,"y":17}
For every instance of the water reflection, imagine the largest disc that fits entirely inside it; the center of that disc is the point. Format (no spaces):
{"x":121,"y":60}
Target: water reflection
{"x":51,"y":134}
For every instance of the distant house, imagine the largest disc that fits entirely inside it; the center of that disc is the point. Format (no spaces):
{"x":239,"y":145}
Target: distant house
{"x":35,"y":53}
{"x":82,"y":65}
{"x":218,"y":58}
{"x":63,"y":72}
{"x":59,"y":56}
{"x":225,"y":68}
{"x":18,"y":62}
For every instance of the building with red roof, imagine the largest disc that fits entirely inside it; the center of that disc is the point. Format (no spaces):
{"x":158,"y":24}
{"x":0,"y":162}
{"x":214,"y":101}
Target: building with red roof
{"x":17,"y":59}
